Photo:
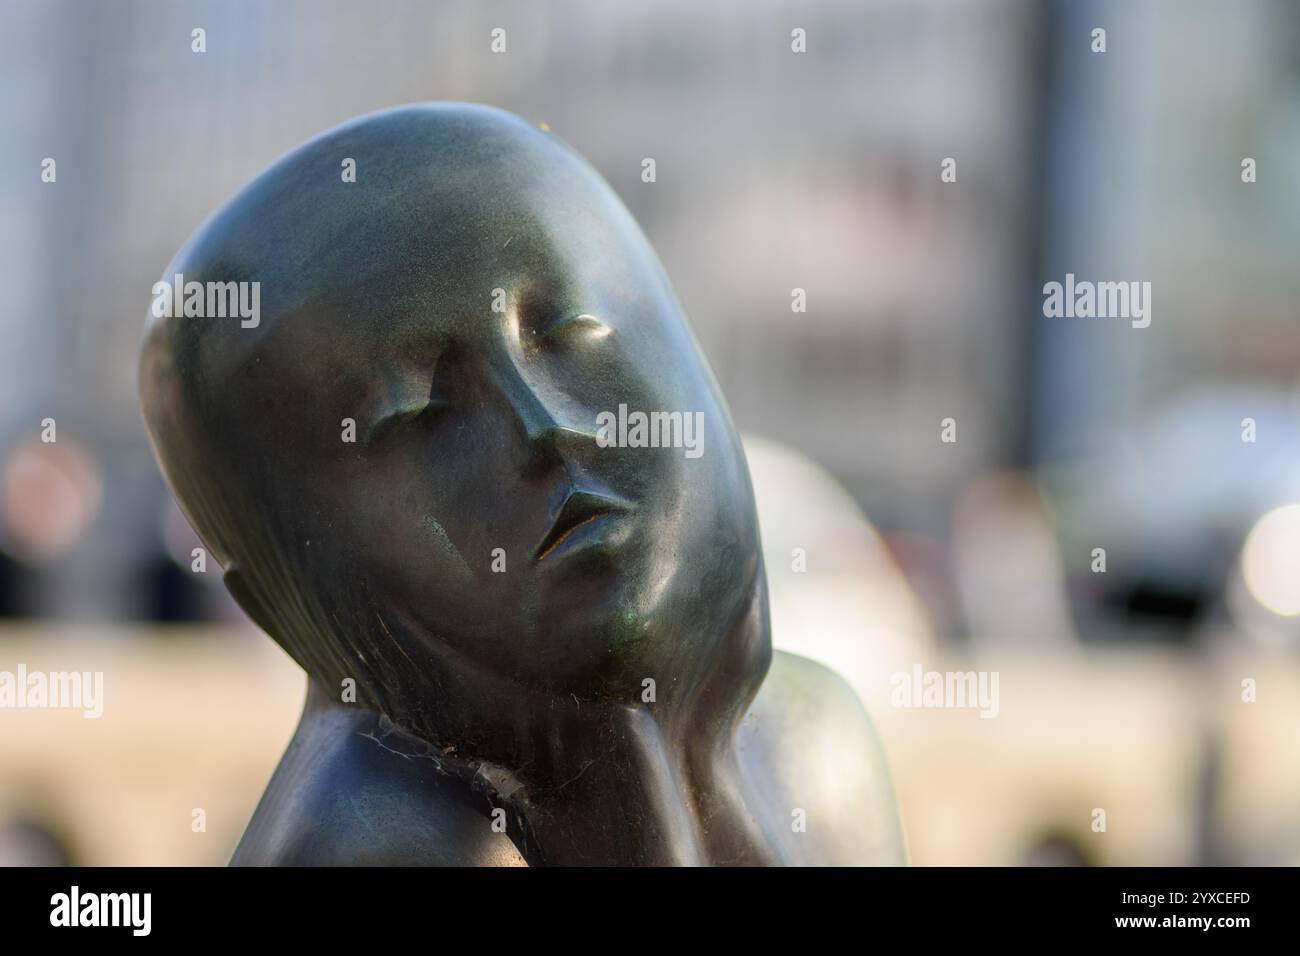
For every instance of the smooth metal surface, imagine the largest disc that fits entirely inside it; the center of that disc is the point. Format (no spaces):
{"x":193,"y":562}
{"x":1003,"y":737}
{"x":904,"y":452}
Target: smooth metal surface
{"x":378,"y":561}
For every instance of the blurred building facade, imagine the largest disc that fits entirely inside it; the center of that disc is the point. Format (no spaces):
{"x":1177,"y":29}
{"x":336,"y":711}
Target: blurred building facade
{"x":775,"y":171}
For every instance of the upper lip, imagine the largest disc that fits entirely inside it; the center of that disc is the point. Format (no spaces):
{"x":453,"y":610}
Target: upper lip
{"x":578,"y":508}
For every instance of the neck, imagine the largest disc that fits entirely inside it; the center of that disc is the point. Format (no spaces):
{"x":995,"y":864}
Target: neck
{"x":601,"y":782}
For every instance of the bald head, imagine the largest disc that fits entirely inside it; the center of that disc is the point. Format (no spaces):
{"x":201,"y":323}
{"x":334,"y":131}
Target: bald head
{"x":399,"y":457}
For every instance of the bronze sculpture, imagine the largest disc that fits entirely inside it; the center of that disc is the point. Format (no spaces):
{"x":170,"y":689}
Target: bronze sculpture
{"x":528,"y":640}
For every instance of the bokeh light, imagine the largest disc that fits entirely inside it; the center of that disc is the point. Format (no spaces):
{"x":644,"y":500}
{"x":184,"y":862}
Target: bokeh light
{"x":1270,"y":561}
{"x":50,"y":494}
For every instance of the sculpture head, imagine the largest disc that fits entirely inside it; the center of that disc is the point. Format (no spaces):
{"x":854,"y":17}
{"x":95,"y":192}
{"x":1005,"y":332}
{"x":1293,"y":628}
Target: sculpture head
{"x":472,"y":303}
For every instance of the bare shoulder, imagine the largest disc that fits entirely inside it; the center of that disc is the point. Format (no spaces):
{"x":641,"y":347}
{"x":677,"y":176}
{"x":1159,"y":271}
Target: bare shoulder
{"x":813,"y":743}
{"x":348,"y":795}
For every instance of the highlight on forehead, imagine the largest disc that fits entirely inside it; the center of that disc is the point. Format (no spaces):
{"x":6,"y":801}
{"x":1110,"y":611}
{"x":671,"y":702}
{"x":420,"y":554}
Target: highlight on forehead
{"x":444,"y":195}
{"x":450,"y":203}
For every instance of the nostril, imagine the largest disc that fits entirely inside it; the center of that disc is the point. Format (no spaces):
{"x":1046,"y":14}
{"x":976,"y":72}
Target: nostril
{"x":535,"y":421}
{"x":537,"y":427}
{"x":547,"y":438}
{"x":543,"y":454}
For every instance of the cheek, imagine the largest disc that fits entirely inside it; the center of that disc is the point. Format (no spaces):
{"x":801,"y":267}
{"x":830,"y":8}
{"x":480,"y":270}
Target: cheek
{"x":389,"y":531}
{"x":422,"y":552}
{"x":719,"y":502}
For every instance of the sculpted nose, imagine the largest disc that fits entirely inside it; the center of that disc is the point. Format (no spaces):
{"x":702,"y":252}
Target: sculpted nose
{"x":548,"y":437}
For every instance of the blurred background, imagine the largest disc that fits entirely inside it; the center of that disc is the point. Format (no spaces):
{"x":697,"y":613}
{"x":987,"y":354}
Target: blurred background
{"x":1120,"y":689}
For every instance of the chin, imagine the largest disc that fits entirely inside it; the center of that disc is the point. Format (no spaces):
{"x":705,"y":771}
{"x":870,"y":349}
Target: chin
{"x":606,"y":611}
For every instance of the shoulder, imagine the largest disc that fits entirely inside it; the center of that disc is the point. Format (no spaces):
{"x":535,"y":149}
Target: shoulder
{"x":813,"y":740}
{"x":810,"y":686}
{"x":346,"y":794}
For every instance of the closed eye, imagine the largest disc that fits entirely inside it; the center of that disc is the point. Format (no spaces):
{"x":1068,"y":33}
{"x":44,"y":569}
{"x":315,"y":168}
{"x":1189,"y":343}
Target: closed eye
{"x":570,"y":325}
{"x":392,"y":422}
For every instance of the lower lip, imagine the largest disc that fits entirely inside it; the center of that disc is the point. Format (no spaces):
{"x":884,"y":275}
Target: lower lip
{"x":603,"y":532}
